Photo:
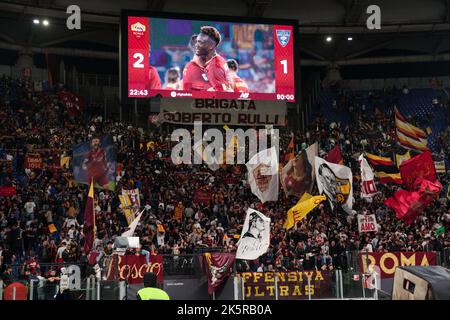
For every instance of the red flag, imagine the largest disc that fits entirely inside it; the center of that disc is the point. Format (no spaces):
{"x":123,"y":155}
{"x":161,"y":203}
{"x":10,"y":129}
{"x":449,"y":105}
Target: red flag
{"x":7,"y":191}
{"x":335,"y":156}
{"x":73,"y":102}
{"x":420,"y":166}
{"x":89,"y":221}
{"x":408,"y":204}
{"x":218,"y":268}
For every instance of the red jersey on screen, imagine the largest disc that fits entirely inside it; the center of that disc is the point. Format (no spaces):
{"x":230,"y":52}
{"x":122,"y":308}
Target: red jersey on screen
{"x":239,"y":84}
{"x":218,"y":73}
{"x":96,"y":166}
{"x":194,"y":77}
{"x":154,"y":82}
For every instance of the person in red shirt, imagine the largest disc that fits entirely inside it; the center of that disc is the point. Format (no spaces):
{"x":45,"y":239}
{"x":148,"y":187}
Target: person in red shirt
{"x":153,"y":81}
{"x":96,"y":165}
{"x":239,"y":84}
{"x":207,"y":70}
{"x":194,"y":76}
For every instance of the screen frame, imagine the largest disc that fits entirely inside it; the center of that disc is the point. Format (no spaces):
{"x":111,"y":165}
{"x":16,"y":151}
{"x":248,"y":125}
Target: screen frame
{"x":123,"y":42}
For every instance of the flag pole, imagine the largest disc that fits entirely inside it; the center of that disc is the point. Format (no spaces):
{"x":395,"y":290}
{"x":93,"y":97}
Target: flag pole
{"x":93,"y":210}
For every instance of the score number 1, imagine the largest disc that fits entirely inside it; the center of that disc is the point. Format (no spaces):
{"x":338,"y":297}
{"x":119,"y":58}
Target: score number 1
{"x":284,"y":63}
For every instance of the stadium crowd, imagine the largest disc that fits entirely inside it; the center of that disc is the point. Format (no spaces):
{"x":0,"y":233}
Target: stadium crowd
{"x":37,"y":122}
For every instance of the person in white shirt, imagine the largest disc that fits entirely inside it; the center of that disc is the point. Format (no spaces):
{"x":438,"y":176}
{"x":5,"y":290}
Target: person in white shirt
{"x":60,"y":250}
{"x":30,"y":206}
{"x":70,"y":222}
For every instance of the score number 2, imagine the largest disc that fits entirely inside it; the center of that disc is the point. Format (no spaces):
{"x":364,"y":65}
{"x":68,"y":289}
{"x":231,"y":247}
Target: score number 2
{"x":284,"y":63}
{"x":140,"y":57}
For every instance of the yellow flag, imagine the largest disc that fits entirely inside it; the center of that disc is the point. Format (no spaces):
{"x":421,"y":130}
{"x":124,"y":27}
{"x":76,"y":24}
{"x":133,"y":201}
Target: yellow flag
{"x":400,"y":158}
{"x":226,"y":127}
{"x":52,"y":228}
{"x":64,"y":162}
{"x":160,"y":228}
{"x":126,"y":205}
{"x":306,"y":203}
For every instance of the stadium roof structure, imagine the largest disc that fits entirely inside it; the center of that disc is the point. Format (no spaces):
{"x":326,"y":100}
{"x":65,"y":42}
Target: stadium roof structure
{"x":411,"y":30}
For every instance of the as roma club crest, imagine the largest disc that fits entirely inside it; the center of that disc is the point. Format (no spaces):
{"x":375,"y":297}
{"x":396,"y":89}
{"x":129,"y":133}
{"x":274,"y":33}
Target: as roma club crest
{"x":342,"y":190}
{"x":138,"y":29}
{"x":283,"y":37}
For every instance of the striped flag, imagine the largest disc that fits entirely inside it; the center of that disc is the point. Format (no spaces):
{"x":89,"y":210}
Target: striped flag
{"x":408,"y":135}
{"x":89,"y":221}
{"x":385,"y":169}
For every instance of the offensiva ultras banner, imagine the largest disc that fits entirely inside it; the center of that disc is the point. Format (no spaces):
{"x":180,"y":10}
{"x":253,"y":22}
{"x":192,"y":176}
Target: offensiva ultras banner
{"x":389,"y":261}
{"x":221,"y":111}
{"x":290,"y":285}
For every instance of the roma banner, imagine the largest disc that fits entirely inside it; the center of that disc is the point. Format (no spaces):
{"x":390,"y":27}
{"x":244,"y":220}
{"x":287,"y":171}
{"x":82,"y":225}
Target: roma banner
{"x":95,"y":159}
{"x":367,"y":223}
{"x":290,"y":285}
{"x":133,"y":267}
{"x":7,"y":191}
{"x":34,"y":161}
{"x":222,"y":111}
{"x":389,"y":261}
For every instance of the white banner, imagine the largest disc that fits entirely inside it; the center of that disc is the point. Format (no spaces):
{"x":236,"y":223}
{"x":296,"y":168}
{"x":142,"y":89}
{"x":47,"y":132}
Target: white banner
{"x":335,"y":181}
{"x":255,"y":236}
{"x":367,"y":223}
{"x":440,"y":166}
{"x":263,"y":175}
{"x":132,"y":226}
{"x":221,"y":111}
{"x":368,"y":188}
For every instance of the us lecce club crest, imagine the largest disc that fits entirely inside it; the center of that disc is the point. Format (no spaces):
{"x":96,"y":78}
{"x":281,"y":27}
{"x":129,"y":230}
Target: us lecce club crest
{"x":283,"y":37}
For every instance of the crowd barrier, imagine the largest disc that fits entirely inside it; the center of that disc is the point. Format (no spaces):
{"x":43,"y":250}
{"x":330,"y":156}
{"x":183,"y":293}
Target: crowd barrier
{"x":180,"y":272}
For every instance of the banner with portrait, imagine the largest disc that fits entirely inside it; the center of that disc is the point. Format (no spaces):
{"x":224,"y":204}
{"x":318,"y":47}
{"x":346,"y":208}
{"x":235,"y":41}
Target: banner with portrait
{"x":95,"y":160}
{"x":263,"y":175}
{"x":335,"y":181}
{"x":255,"y":236}
{"x":297,"y":176}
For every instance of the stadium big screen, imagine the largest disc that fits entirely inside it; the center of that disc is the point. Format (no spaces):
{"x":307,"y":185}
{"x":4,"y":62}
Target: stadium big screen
{"x":183,"y":56}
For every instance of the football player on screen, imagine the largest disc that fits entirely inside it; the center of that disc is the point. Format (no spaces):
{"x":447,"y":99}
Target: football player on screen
{"x":194,"y":77}
{"x":239,"y":84}
{"x":207,"y":65}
